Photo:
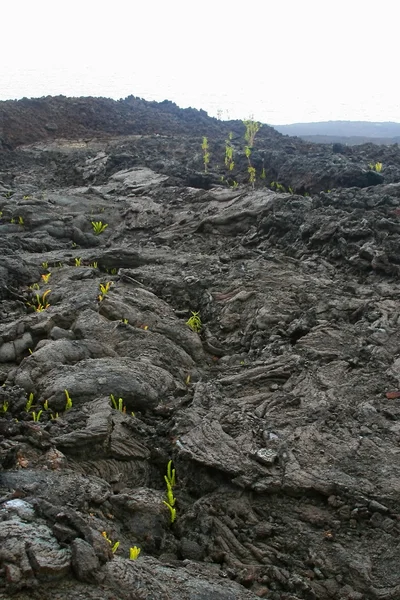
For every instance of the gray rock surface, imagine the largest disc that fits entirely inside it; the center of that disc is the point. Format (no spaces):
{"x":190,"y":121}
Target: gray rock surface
{"x":280,"y":415}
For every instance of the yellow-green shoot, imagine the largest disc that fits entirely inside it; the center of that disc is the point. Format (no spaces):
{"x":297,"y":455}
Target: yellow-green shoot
{"x":29,"y":403}
{"x":36,"y":416}
{"x":120,"y":406}
{"x":98,"y":227}
{"x":172,"y":511}
{"x":68,"y":403}
{"x":104,"y":289}
{"x":194,"y":322}
{"x":206,"y":154}
{"x":134,"y":553}
{"x":251,"y":130}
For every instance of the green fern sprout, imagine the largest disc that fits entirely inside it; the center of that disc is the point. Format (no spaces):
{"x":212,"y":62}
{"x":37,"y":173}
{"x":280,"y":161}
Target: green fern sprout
{"x":98,"y":227}
{"x":39,"y":303}
{"x":120,"y":406}
{"x":78,"y":262}
{"x":229,"y":163}
{"x":206,"y":154}
{"x":28,"y":405}
{"x":194,"y":322}
{"x":252,"y":175}
{"x":170,"y":476}
{"x":104,"y":289}
{"x":134,"y":553}
{"x":36,"y":416}
{"x":68,"y":403}
{"x":251,"y":130}
{"x":171,"y":510}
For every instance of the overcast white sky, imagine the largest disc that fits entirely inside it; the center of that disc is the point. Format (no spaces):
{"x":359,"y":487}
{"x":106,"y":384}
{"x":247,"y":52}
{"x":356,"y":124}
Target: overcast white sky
{"x":283,"y":61}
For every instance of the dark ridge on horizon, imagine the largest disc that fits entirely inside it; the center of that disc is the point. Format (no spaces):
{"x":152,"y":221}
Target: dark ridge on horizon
{"x":350,"y":132}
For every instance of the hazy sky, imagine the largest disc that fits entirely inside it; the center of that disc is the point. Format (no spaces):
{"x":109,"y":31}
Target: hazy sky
{"x":283,"y":61}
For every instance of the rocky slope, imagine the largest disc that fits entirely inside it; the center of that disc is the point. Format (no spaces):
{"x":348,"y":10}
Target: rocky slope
{"x":280,"y":414}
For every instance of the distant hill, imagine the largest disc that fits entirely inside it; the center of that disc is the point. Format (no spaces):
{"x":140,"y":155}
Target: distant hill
{"x":348,"y":132}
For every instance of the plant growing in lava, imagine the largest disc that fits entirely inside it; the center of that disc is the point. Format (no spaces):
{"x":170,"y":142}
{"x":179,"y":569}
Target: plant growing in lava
{"x":98,"y":227}
{"x":194,"y":322}
{"x":376,"y":167}
{"x":114,"y":545}
{"x":68,"y":403}
{"x":170,"y":481}
{"x":29,"y":403}
{"x":120,"y":406}
{"x":229,"y":163}
{"x":39,"y":303}
{"x":36,"y":416}
{"x":134,"y":552}
{"x":206,"y":154}
{"x":104,"y":289}
{"x":251,"y":130}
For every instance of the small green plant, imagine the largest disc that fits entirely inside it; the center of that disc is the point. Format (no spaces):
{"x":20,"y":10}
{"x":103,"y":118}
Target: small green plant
{"x":68,"y":403}
{"x":36,"y":416}
{"x":12,"y":221}
{"x":206,"y":154}
{"x":234,"y":185}
{"x":171,"y":510}
{"x":26,"y":198}
{"x":170,"y":481}
{"x":170,"y":476}
{"x":263,"y":175}
{"x":46,"y":277}
{"x":114,"y":271}
{"x":252,"y":175}
{"x":45,"y":265}
{"x":8,"y":195}
{"x":120,"y":406}
{"x":251,"y":130}
{"x":29,"y":403}
{"x":53,"y":417}
{"x":134,"y":553}
{"x":104,"y":289}
{"x":34,"y":286}
{"x":1,"y":213}
{"x":114,"y":546}
{"x":39,"y":303}
{"x":229,"y":163}
{"x":46,"y":405}
{"x":376,"y":167}
{"x":94,"y":264}
{"x":78,"y":262}
{"x":124,"y":321}
{"x":20,"y":220}
{"x":290,"y":190}
{"x":278,"y":186}
{"x":4,"y":407}
{"x":194,"y":322}
{"x":98,"y":227}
